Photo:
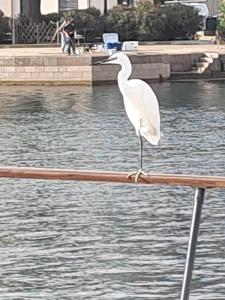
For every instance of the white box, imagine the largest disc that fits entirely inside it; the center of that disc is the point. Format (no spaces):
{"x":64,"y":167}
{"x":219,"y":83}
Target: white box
{"x":130,"y":46}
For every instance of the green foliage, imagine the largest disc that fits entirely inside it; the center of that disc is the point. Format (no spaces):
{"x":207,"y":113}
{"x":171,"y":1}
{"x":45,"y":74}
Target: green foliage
{"x":150,"y":22}
{"x":53,"y":17}
{"x":222,"y":17}
{"x":87,"y":20}
{"x":147,"y":22}
{"x":177,"y":21}
{"x":123,"y":21}
{"x":49,"y":18}
{"x":143,"y":22}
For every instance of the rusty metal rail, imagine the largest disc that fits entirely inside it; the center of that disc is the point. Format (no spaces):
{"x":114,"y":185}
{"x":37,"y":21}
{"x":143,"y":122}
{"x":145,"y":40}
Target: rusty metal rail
{"x":200,"y":183}
{"x":119,"y":177}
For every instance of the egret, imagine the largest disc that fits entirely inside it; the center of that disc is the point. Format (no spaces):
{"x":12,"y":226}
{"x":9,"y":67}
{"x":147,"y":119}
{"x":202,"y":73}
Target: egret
{"x":140,"y":103}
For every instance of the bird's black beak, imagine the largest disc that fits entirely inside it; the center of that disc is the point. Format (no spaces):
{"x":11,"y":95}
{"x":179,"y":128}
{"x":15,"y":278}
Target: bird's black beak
{"x":104,"y":61}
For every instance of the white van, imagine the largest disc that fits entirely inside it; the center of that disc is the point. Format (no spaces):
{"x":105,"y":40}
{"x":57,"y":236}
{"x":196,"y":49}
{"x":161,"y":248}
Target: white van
{"x":202,"y":9}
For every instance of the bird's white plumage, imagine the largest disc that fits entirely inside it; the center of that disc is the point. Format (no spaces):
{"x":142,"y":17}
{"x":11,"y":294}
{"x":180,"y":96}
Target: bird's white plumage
{"x":145,"y":110}
{"x":140,"y":101}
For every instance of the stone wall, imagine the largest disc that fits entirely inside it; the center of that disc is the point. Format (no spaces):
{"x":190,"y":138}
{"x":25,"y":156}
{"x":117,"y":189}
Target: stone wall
{"x":150,"y":71}
{"x":46,"y":70}
{"x":76,"y":70}
{"x":147,"y":67}
{"x":81,"y":69}
{"x":183,"y":62}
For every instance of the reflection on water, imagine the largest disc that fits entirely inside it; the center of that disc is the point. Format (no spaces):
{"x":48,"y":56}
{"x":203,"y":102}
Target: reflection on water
{"x":71,"y":240}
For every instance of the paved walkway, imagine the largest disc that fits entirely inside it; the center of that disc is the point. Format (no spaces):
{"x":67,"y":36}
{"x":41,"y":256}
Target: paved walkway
{"x":143,"y":49}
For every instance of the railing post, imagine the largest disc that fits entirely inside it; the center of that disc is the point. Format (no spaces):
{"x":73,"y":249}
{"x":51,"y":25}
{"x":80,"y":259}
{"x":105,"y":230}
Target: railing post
{"x":196,"y":218}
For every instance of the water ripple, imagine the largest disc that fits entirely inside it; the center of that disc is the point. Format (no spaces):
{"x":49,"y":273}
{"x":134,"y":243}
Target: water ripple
{"x":71,"y":240}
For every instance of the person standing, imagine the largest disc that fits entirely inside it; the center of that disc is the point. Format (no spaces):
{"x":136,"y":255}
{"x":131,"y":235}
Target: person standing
{"x":62,"y":35}
{"x":69,"y":30}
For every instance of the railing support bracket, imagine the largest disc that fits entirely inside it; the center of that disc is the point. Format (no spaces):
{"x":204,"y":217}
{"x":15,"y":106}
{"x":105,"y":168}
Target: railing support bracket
{"x":196,"y":219}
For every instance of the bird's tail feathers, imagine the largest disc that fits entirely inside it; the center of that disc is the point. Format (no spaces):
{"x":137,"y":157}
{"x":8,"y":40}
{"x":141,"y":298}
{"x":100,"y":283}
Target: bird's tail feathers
{"x":153,"y":139}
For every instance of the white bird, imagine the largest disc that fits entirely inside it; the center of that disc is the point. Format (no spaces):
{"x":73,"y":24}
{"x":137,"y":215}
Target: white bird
{"x":140,"y":103}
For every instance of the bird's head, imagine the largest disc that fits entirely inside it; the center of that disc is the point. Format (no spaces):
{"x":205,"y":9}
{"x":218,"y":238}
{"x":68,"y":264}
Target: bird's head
{"x":115,"y":59}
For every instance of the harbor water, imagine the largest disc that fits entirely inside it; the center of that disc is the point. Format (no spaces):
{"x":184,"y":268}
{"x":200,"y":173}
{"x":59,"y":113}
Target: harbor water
{"x":94,"y":241}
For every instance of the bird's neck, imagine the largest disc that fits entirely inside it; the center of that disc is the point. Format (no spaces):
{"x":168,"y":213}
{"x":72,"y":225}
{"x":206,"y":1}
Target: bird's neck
{"x":124,"y":74}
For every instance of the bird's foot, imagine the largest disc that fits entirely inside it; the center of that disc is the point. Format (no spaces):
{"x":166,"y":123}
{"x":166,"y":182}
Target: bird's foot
{"x":137,"y":175}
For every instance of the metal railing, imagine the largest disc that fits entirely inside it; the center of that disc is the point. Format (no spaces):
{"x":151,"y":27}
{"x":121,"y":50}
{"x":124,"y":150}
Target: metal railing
{"x":200,"y":183}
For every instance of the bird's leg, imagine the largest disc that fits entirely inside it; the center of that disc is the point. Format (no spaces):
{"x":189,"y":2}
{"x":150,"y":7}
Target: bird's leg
{"x":141,"y":150}
{"x":139,"y":172}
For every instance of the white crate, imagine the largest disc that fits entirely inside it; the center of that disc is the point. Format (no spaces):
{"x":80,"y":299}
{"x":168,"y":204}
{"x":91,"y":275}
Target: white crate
{"x":130,"y":46}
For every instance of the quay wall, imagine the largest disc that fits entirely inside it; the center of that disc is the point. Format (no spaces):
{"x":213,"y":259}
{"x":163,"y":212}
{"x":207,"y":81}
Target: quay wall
{"x":183,"y":62}
{"x":147,"y":67}
{"x":45,"y":70}
{"x":56,"y":70}
{"x":75,"y":69}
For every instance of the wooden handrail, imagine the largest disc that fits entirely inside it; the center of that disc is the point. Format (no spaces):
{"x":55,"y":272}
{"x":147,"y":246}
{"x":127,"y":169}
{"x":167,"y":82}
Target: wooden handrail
{"x":113,"y":177}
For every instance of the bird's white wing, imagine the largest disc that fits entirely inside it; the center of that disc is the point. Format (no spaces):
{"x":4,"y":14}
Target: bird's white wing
{"x":142,"y":109}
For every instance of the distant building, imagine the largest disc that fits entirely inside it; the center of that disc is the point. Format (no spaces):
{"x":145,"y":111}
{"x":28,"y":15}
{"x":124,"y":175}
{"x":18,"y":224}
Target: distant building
{"x":15,"y":7}
{"x":99,"y":4}
{"x":10,"y":7}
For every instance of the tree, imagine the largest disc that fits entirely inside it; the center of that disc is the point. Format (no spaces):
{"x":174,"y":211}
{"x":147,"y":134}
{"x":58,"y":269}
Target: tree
{"x":122,"y":19}
{"x":222,"y":17}
{"x":31,"y":9}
